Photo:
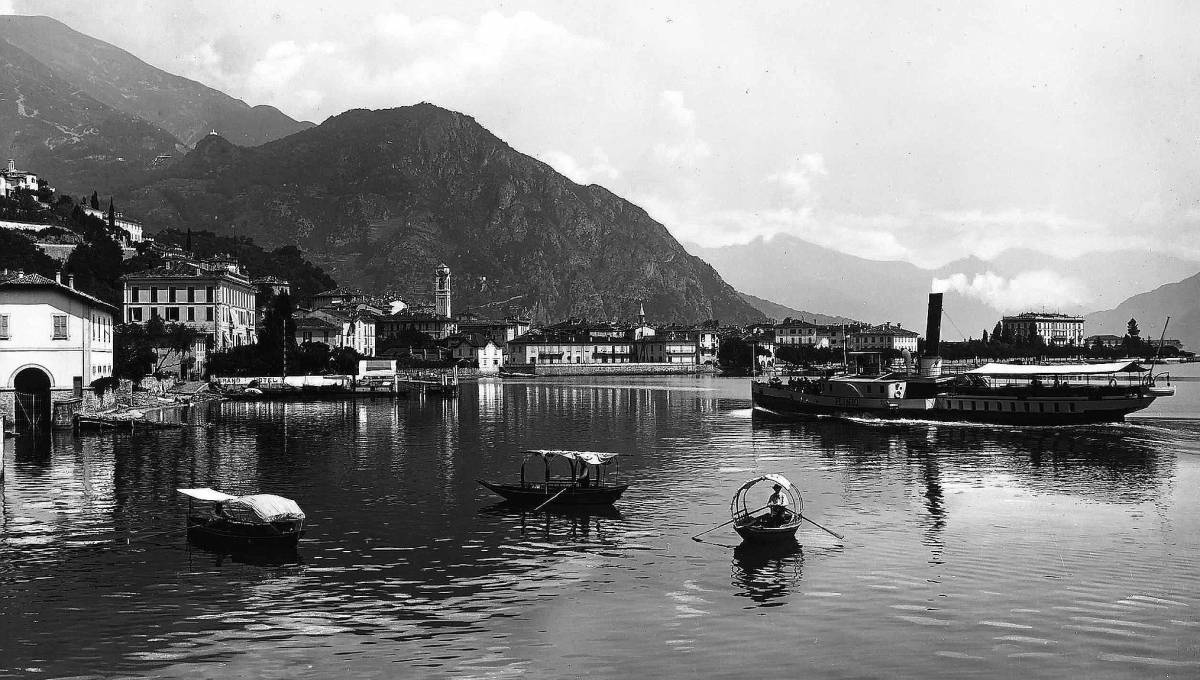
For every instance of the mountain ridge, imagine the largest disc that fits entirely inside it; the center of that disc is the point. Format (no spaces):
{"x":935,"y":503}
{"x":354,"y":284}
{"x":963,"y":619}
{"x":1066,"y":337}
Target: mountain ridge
{"x":182,"y":107}
{"x":379,"y":198}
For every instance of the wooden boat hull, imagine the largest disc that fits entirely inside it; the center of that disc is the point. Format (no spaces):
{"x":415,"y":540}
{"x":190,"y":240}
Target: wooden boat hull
{"x":998,"y":409}
{"x":222,"y":534}
{"x":532,"y":495}
{"x":761,"y":535}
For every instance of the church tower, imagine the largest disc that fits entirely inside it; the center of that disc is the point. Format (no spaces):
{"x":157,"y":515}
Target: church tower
{"x":441,"y":290}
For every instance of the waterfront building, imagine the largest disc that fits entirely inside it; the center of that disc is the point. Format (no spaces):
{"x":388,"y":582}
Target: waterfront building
{"x":487,"y":355}
{"x":886,"y":336}
{"x":214,"y":297}
{"x":572,"y":342}
{"x":680,"y":344}
{"x":342,"y":295}
{"x":55,"y":340}
{"x":1053,"y":329}
{"x":642,"y":329}
{"x":797,"y":332}
{"x":1107,"y":341}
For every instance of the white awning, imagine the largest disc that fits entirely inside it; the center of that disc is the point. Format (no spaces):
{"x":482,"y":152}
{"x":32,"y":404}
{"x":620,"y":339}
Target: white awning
{"x":589,"y":457}
{"x":206,"y":494}
{"x":773,"y":478}
{"x":269,"y":507}
{"x":1029,"y":371}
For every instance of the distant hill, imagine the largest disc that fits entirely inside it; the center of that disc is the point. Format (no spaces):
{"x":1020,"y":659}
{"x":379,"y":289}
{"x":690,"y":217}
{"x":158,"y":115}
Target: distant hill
{"x":1180,"y":301}
{"x":54,"y":129}
{"x":183,"y":108}
{"x":380,"y":198}
{"x":803,"y":275}
{"x":780,"y":312}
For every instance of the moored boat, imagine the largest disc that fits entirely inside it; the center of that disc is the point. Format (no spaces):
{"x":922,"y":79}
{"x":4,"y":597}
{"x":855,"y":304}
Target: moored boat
{"x":257,"y":521}
{"x":586,"y":484}
{"x":785,"y":511}
{"x":997,"y":393}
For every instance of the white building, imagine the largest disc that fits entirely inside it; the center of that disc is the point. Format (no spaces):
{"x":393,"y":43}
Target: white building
{"x":1053,"y":329}
{"x":338,"y":328}
{"x":17,"y":179}
{"x":54,"y":342}
{"x":794,"y":332}
{"x":132,"y":227}
{"x":487,"y":355}
{"x":886,"y":336}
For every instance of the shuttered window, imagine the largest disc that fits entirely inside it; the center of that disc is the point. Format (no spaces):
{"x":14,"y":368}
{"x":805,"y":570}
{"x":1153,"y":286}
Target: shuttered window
{"x":3,"y":326}
{"x":60,"y":326}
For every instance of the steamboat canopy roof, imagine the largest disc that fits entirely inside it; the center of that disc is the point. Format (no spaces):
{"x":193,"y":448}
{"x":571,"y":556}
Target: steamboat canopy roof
{"x":1019,"y":371}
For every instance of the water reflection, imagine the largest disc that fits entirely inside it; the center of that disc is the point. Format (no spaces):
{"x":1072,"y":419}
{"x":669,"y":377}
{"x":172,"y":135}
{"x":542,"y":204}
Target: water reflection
{"x":1122,"y":463}
{"x":767,"y":573}
{"x":551,"y":523}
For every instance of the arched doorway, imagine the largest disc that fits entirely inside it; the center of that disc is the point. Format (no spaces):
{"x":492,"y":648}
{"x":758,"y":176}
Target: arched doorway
{"x":32,"y":386}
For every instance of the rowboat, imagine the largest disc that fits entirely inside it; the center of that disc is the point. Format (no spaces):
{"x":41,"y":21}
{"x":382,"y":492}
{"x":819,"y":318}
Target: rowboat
{"x":585,"y":485}
{"x":779,"y":523}
{"x":258,"y":521}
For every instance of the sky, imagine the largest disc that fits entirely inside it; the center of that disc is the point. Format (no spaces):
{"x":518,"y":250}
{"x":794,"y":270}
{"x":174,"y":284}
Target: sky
{"x":924,"y":132}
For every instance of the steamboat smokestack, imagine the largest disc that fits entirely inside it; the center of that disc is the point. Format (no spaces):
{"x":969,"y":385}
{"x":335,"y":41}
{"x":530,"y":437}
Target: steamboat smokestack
{"x":931,"y":363}
{"x":933,"y":325}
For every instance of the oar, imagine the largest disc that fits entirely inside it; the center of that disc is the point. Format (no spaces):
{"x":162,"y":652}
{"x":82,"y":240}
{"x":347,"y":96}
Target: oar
{"x":697,"y":536}
{"x":551,"y":499}
{"x":832,"y":533}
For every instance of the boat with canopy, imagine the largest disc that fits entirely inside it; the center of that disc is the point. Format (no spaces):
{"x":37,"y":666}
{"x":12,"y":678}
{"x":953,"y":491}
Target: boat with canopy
{"x":783,"y":515}
{"x":588,"y":479}
{"x":255,"y":521}
{"x":996,"y":393}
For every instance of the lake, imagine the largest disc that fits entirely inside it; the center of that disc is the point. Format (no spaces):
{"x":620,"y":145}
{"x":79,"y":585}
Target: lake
{"x":969,"y":550}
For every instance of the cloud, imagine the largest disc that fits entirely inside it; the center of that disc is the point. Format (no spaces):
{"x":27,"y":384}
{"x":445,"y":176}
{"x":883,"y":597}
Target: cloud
{"x":598,"y":169}
{"x":1026,"y":291}
{"x":686,"y":149}
{"x":798,"y":178}
{"x":6,"y":7}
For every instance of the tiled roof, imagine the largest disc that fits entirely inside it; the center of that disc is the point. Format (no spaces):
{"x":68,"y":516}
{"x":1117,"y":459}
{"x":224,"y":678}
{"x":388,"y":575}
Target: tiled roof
{"x":39,"y":281}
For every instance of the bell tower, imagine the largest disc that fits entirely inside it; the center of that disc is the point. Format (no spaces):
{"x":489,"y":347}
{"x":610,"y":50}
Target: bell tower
{"x":441,"y":290}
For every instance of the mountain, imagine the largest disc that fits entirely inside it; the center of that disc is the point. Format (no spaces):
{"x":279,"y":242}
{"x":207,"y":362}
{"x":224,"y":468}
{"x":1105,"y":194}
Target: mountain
{"x":183,"y":108}
{"x":379,"y":198}
{"x":1177,"y":300}
{"x":52,"y":128}
{"x":780,"y":312}
{"x":801,"y":274}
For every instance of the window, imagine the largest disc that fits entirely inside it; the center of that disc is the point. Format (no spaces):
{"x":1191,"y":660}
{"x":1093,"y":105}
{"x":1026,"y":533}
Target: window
{"x":208,"y":295}
{"x":191,"y":294}
{"x":60,"y":326}
{"x":171,"y":293}
{"x":134,"y":294}
{"x":208,"y":313}
{"x":172,"y":313}
{"x":135,"y":313}
{"x":153,"y":293}
{"x":3,"y":326}
{"x":191,"y":315}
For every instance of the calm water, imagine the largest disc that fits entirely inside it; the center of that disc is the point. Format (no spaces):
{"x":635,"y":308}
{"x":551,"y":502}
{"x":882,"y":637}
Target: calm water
{"x":969,"y":551}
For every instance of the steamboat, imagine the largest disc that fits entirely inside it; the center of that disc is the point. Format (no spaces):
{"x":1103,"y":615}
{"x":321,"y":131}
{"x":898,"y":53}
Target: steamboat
{"x":997,"y":393}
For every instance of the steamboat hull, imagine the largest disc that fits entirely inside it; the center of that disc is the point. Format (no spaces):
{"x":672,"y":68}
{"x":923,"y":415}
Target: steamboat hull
{"x":1100,"y":406}
{"x":556,"y":495}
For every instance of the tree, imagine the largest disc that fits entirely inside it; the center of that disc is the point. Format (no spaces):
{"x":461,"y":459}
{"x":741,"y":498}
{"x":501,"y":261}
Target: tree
{"x":18,"y":251}
{"x":1133,"y":329}
{"x":310,"y":357}
{"x":112,"y":214}
{"x":998,"y":333}
{"x":95,"y":200}
{"x":345,"y":361}
{"x":984,"y":339}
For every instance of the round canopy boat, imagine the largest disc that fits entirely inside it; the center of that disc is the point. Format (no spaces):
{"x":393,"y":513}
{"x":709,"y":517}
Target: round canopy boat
{"x":779,"y":522}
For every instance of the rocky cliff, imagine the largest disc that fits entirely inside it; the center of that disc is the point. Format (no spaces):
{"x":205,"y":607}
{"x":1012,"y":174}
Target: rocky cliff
{"x":379,"y":198}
